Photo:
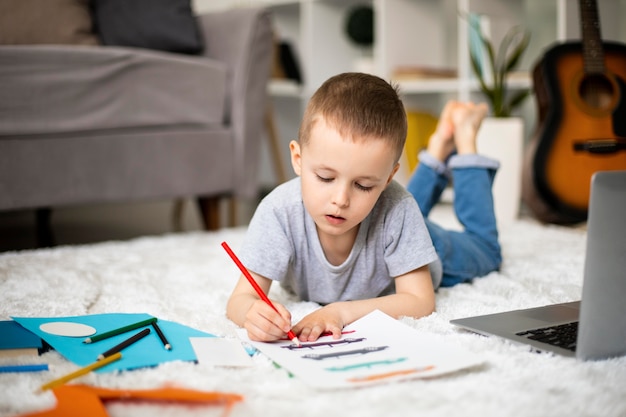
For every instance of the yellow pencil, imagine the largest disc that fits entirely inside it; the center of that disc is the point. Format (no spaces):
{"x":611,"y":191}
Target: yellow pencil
{"x":82,"y":371}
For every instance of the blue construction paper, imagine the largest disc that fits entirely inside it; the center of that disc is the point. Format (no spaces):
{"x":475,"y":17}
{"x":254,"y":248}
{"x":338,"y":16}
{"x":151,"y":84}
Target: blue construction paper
{"x":15,"y":336}
{"x":148,"y":351}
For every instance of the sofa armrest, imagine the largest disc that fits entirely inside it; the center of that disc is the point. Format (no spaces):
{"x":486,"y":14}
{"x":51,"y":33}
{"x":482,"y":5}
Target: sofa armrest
{"x":242,"y":38}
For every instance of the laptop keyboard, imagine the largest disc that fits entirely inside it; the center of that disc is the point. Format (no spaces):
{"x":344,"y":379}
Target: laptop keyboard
{"x":562,"y":335}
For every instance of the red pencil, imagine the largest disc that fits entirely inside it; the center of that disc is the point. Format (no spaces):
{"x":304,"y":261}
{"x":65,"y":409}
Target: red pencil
{"x":256,"y":287}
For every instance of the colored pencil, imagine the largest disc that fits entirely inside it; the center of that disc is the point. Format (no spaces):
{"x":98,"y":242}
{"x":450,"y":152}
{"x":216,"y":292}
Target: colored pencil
{"x":159,"y":332}
{"x":120,"y":330}
{"x":81,"y":372}
{"x":256,"y":287}
{"x":117,"y":348}
{"x":24,"y":368}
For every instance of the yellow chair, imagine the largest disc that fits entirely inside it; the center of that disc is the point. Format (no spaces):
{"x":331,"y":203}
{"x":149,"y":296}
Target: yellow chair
{"x":421,"y":126}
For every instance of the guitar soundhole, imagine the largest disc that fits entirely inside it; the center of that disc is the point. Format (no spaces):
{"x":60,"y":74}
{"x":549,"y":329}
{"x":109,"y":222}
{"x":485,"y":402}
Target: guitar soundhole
{"x":597,"y":91}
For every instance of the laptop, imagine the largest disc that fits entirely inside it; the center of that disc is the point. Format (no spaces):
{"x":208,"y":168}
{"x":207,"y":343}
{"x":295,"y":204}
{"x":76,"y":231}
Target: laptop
{"x":594,"y":327}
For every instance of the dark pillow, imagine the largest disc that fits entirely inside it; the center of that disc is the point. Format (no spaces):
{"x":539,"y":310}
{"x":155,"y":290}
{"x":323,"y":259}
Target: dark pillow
{"x":60,"y":22}
{"x":165,"y":25}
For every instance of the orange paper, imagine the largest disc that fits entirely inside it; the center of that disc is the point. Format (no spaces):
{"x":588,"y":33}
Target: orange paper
{"x":84,"y":400}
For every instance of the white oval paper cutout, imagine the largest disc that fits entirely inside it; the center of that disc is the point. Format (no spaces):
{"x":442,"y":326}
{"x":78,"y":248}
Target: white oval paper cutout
{"x":65,"y":328}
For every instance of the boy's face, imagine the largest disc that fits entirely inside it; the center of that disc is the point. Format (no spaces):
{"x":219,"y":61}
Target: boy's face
{"x":341,"y":179}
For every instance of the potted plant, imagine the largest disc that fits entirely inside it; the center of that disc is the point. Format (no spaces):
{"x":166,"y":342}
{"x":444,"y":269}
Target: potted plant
{"x":500,"y":64}
{"x":501,"y":136}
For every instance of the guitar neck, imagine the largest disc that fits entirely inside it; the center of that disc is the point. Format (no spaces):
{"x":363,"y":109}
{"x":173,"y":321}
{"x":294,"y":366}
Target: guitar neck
{"x":593,"y":53}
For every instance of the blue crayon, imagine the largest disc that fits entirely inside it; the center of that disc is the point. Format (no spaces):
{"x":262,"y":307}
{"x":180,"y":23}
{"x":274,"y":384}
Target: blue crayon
{"x":24,"y":368}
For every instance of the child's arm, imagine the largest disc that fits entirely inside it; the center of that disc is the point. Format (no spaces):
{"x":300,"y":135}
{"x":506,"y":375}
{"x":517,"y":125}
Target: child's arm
{"x":414,"y":297}
{"x":247,"y":310}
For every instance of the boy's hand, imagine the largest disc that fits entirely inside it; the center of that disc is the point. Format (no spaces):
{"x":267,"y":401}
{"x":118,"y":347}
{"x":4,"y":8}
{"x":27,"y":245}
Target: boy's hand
{"x":264,"y":324}
{"x":325,"y":319}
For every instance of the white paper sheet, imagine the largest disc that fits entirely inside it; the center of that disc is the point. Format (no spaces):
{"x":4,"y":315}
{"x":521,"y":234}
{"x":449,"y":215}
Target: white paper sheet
{"x":218,"y":351}
{"x":374,"y":349}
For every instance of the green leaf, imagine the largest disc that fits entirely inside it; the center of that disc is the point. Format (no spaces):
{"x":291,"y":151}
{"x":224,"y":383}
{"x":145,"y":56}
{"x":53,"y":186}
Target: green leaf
{"x":518,"y":98}
{"x":509,"y":54}
{"x":478,"y":73}
{"x":523,"y":39}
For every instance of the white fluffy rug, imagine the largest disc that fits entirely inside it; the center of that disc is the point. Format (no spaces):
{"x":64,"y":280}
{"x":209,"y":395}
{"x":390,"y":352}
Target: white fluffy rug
{"x":188,"y":277}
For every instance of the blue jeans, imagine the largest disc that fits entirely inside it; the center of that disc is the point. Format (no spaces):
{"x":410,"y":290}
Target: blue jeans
{"x":475,"y":251}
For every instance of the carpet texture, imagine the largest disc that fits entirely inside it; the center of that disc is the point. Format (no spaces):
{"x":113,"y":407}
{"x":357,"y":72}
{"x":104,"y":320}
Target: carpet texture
{"x":188,"y":277}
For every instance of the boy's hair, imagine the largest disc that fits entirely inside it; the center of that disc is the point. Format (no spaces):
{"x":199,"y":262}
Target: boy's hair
{"x":360,"y":106}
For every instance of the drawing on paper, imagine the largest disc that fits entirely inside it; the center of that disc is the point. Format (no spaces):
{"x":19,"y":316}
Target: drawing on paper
{"x":367,"y":365}
{"x":364,"y":351}
{"x":403,"y":372}
{"x":330,"y":344}
{"x":378,"y":349}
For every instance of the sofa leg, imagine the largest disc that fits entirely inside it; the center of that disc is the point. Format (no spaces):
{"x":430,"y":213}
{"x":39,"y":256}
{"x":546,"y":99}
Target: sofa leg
{"x":210,"y":212}
{"x":177,"y":215}
{"x":45,"y":235}
{"x":232,"y":212}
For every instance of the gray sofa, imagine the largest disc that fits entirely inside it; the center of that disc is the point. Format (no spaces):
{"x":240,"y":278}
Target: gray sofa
{"x":93,"y":124}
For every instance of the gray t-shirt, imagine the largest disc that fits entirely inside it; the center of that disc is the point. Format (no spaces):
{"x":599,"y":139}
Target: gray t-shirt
{"x":282,"y":244}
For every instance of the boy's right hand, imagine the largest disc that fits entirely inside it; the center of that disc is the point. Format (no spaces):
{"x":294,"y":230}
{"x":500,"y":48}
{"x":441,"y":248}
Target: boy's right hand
{"x":263,"y":324}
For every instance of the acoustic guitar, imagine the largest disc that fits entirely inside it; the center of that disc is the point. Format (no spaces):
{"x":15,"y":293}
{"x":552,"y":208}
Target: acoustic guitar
{"x":581,"y":98}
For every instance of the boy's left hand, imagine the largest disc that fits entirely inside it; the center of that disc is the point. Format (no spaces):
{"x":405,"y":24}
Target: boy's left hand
{"x":325,"y":319}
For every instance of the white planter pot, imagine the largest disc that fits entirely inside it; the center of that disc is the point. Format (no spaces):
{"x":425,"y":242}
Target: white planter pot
{"x":503,"y":139}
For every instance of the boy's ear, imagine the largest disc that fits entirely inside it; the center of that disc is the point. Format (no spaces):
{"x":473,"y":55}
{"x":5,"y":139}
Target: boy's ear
{"x":393,"y":172}
{"x":296,"y":157}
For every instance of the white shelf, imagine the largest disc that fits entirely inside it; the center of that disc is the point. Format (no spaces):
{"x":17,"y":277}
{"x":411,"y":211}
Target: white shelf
{"x":433,"y":85}
{"x":414,"y":33}
{"x":452,"y":85}
{"x":426,"y":33}
{"x":284,"y":88}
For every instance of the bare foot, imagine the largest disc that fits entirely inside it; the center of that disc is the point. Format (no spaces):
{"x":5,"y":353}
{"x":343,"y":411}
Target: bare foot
{"x":441,"y":142}
{"x":466,"y":120}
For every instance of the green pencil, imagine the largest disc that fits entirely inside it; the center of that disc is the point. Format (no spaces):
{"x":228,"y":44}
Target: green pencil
{"x":121,"y":330}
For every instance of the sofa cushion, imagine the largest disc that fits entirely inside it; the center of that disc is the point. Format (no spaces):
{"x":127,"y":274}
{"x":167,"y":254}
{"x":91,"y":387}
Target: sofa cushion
{"x":48,"y":89}
{"x":46,"y":22}
{"x":166,"y":25}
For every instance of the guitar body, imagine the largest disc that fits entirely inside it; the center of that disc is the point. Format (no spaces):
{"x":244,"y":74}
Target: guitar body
{"x":581,"y":130}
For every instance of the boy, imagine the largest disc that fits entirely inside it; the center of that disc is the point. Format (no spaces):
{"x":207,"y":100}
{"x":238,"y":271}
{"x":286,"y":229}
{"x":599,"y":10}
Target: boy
{"x":343,"y":234}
